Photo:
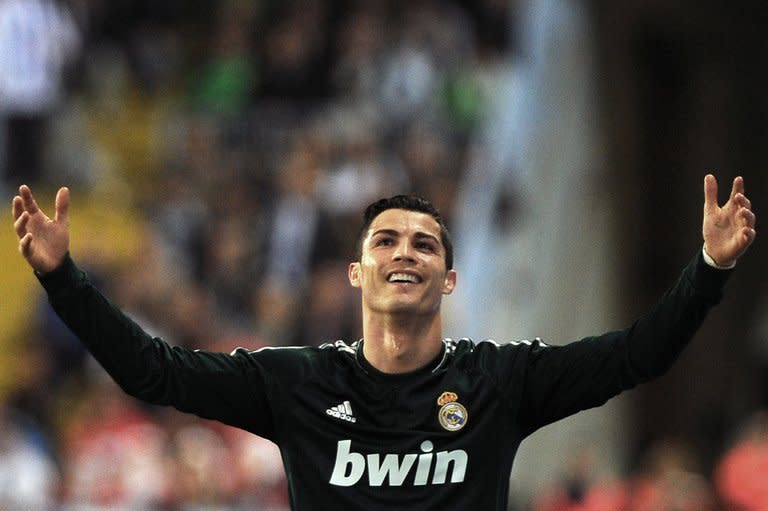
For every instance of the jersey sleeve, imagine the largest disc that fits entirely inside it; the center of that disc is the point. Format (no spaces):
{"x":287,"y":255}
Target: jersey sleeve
{"x":561,"y":380}
{"x":231,"y":388}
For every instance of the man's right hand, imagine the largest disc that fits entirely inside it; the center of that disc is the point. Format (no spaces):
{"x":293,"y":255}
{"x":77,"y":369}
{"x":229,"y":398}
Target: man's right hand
{"x":43,"y":242}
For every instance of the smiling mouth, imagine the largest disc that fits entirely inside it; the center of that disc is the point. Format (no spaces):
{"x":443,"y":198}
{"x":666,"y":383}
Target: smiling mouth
{"x":404,"y":278}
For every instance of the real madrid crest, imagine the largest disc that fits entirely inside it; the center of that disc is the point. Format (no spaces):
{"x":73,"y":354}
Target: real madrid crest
{"x":452,"y":414}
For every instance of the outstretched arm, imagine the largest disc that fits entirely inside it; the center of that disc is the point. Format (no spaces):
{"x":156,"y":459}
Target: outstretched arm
{"x":565,"y":379}
{"x":229,"y":388}
{"x":729,"y":230}
{"x":42,"y":241}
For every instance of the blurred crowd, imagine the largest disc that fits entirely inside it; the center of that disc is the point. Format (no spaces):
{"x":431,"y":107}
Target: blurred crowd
{"x":246,"y":136}
{"x":668,"y":477}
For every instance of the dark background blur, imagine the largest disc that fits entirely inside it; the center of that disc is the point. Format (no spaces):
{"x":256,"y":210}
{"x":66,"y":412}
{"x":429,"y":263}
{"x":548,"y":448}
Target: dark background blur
{"x":683,"y":89}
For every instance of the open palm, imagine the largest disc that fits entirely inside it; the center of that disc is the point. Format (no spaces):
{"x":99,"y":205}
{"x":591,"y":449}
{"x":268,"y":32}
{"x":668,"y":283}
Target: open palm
{"x":42,"y":241}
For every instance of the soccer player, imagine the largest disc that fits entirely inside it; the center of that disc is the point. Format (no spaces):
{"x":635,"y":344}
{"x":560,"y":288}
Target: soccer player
{"x":402,"y":418}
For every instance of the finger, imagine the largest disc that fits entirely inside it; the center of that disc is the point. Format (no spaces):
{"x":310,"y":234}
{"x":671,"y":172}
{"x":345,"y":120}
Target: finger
{"x":20,"y":225}
{"x":749,"y":235}
{"x":742,"y":201}
{"x":62,"y":205}
{"x":28,"y":200}
{"x":738,"y":187}
{"x":710,"y":193}
{"x":748,"y":216}
{"x":18,"y":207}
{"x":24,"y":245}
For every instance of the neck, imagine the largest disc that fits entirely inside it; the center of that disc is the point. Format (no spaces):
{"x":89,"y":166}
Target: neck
{"x":401,"y":344}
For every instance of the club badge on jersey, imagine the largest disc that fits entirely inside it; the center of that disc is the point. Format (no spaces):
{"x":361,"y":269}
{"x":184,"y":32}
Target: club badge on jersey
{"x":452,"y":414}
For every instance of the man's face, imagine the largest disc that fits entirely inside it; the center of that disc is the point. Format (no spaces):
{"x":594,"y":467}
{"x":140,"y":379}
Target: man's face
{"x":402,"y":266}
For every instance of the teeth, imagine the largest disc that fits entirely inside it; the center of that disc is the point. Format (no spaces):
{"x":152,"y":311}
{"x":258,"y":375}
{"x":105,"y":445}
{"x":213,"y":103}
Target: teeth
{"x":403,"y":277}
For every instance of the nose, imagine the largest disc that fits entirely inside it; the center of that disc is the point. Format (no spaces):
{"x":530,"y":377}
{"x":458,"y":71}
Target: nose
{"x":403,"y":252}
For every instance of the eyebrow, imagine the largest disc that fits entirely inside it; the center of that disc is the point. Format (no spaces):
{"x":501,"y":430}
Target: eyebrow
{"x":419,"y":234}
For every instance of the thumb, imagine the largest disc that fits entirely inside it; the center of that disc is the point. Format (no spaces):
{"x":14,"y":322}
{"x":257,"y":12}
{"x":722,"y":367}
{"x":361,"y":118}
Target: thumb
{"x":62,"y":205}
{"x":710,"y":193}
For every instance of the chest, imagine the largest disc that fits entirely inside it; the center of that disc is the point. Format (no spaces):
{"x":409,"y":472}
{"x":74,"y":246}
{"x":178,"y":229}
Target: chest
{"x":435,"y":430}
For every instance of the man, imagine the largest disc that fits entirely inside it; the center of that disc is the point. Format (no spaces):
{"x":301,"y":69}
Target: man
{"x":39,"y":39}
{"x":401,"y":419}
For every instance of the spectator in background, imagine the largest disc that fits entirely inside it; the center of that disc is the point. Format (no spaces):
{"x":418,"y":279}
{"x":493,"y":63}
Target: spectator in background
{"x":360,"y":48}
{"x":670,"y":480}
{"x":740,"y":476}
{"x":112,"y":452}
{"x":296,"y":52}
{"x":359,"y":173}
{"x":38,"y":38}
{"x":432,"y":163}
{"x":228,"y":78}
{"x":295,"y":244}
{"x":583,"y":488}
{"x":28,"y":476}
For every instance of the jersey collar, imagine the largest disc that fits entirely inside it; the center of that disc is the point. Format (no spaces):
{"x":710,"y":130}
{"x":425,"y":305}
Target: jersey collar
{"x":432,"y":367}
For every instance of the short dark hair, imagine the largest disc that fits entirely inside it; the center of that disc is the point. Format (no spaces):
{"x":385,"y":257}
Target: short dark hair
{"x":409,"y":203}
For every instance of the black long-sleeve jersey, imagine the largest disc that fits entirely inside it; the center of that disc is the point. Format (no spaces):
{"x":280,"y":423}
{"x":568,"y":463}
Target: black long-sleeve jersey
{"x":354,"y":438}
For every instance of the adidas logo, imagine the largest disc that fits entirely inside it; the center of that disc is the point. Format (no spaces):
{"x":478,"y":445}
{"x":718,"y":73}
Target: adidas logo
{"x":342,"y":411}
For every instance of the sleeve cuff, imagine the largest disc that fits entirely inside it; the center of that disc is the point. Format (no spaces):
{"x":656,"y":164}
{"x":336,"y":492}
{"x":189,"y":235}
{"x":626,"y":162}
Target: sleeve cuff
{"x":708,"y":259}
{"x":707,"y":278}
{"x":66,"y":276}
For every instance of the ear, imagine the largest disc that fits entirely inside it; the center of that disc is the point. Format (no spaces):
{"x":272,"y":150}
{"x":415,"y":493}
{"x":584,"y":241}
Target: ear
{"x":353,"y":273}
{"x":450,"y":282}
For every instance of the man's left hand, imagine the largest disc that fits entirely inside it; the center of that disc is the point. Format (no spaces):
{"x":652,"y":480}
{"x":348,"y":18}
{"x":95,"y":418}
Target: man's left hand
{"x":729,"y":230}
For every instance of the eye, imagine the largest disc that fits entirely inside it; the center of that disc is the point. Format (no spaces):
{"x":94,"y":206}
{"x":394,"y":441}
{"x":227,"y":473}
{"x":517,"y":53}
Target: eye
{"x":425,"y":245}
{"x":383,"y":241}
